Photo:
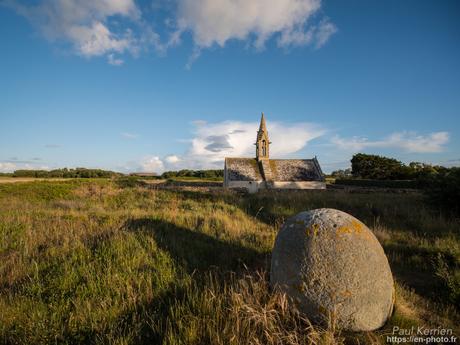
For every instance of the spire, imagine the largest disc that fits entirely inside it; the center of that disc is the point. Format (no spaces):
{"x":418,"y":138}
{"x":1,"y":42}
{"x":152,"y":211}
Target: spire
{"x":262,"y":142}
{"x":262,"y":128}
{"x":263,"y":125}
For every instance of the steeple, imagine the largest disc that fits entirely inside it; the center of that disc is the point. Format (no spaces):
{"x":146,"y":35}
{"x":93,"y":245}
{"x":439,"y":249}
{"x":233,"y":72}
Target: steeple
{"x":262,"y":142}
{"x":263,"y":125}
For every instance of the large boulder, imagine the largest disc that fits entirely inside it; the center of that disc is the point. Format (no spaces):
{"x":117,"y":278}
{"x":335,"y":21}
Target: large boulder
{"x":333,"y":268}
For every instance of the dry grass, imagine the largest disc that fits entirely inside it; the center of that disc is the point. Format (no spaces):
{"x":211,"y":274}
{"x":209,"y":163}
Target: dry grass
{"x":241,"y":311}
{"x":92,"y":262}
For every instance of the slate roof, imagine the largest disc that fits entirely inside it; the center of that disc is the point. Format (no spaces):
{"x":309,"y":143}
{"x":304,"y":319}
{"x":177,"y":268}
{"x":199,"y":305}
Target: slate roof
{"x":295,"y":170}
{"x":248,"y":169}
{"x":243,"y":169}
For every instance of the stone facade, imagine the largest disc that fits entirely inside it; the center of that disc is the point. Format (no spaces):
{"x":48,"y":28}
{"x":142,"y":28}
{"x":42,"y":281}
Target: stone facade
{"x":262,"y":172}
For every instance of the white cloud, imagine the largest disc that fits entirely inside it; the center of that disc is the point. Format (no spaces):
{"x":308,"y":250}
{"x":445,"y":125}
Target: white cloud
{"x":172,"y":159}
{"x":152,"y":164}
{"x":83,"y":23}
{"x":406,"y":141}
{"x":211,"y":143}
{"x":324,"y":31}
{"x":8,"y":167}
{"x":317,"y":34}
{"x":451,"y":163}
{"x":217,"y":21}
{"x":116,"y":27}
{"x":112,"y":60}
{"x":127,"y":135}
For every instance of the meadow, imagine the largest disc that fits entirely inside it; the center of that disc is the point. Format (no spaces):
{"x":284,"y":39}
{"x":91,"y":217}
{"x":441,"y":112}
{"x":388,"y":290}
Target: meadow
{"x":103,"y":261}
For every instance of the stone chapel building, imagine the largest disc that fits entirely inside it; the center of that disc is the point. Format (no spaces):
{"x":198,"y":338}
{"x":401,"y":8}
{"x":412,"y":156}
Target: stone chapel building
{"x":263,"y":172}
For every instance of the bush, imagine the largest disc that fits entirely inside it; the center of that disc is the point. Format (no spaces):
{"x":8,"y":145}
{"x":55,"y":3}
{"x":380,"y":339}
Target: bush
{"x":443,"y":189}
{"x":129,"y":182}
{"x":449,"y":277}
{"x":379,"y":183}
{"x":201,"y":174}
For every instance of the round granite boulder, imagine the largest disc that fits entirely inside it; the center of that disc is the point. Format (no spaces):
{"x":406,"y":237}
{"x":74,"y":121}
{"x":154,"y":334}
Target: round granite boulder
{"x":333,"y":268}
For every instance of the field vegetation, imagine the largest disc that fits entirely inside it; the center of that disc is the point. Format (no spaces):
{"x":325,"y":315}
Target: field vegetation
{"x":65,"y":173}
{"x":123,"y":262}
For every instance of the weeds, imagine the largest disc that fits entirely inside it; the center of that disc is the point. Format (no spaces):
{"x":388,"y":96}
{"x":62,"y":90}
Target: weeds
{"x":450,"y":277}
{"x":101,"y":262}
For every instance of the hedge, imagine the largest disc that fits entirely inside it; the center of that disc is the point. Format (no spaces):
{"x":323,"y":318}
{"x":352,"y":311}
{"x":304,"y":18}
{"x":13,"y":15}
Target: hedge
{"x":379,"y":183}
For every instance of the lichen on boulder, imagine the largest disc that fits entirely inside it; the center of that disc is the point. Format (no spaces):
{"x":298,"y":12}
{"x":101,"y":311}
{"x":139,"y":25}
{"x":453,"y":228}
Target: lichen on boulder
{"x":333,"y":268}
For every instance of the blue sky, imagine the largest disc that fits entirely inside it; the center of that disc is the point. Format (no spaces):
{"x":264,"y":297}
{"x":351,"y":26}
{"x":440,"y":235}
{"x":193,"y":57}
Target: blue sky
{"x":157,"y":85}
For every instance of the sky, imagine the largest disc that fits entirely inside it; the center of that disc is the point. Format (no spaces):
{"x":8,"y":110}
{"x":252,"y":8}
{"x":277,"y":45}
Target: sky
{"x":159,"y":85}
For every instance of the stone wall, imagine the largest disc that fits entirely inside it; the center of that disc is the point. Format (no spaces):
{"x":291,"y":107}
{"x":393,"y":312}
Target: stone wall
{"x":299,"y":185}
{"x":250,"y":186}
{"x":254,"y":186}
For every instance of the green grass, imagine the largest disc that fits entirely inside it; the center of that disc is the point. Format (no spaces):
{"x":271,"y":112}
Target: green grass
{"x":197,"y":179}
{"x":103,"y":262}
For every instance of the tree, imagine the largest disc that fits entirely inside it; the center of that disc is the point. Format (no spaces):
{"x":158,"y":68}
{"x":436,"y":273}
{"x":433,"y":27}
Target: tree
{"x":443,"y":189}
{"x":378,"y":167}
{"x":342,"y":173}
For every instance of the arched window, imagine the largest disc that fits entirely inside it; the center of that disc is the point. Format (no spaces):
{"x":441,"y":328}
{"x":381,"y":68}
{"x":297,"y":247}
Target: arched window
{"x":264,"y":148}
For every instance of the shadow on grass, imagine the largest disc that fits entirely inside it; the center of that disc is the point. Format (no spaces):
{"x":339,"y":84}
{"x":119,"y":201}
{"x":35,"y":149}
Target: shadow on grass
{"x":198,"y":254}
{"x":399,"y":211}
{"x":415,"y":268}
{"x":197,"y":251}
{"x":274,"y":207}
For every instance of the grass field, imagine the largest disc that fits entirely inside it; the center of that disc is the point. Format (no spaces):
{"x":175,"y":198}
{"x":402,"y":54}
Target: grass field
{"x":100,"y":262}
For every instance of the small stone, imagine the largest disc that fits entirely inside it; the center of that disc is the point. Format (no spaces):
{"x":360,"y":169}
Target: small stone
{"x":333,"y":266}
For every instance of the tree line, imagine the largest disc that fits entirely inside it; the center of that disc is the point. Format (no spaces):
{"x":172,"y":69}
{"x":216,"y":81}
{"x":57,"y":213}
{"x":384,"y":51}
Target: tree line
{"x":440,"y":184}
{"x":205,"y":174}
{"x":66,"y":173}
{"x":99,"y":173}
{"x":374,"y":167}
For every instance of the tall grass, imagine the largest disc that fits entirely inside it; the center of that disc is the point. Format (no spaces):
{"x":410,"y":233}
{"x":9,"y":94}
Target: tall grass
{"x":102,"y":262}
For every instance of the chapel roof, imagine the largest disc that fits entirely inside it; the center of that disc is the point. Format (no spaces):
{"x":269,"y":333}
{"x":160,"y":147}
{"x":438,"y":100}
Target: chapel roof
{"x":248,"y":169}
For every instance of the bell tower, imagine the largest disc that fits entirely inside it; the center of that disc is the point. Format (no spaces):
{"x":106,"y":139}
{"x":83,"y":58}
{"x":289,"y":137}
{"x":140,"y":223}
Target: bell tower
{"x":262,"y":142}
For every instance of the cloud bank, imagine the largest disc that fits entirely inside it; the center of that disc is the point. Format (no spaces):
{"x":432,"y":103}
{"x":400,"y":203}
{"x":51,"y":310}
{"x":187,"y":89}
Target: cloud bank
{"x":84,"y":24}
{"x":407,"y":141}
{"x":212,"y":142}
{"x":113,"y":28}
{"x":10,"y":166}
{"x":214,"y":22}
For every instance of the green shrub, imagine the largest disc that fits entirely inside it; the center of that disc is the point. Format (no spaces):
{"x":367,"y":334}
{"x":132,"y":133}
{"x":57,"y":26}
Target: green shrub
{"x":379,"y":183}
{"x":129,"y":182}
{"x":450,"y":278}
{"x":201,"y":174}
{"x":443,"y":190}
